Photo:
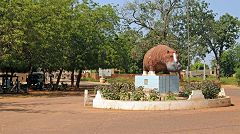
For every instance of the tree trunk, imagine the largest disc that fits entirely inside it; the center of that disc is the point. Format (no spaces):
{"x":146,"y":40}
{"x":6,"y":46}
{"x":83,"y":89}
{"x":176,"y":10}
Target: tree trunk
{"x":79,"y":78}
{"x":6,"y":77}
{"x":11,"y":77}
{"x":30,"y":68}
{"x":50,"y":76}
{"x":59,"y":76}
{"x":217,"y":57}
{"x":218,"y":70}
{"x":180,"y":76}
{"x":72,"y":78}
{"x":44,"y":74}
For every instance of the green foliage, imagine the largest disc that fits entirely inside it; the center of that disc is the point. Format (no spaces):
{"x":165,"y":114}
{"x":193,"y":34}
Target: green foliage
{"x":171,"y":96}
{"x":238,"y":76}
{"x":167,"y":22}
{"x":221,"y":37}
{"x":198,"y":66}
{"x":116,"y":91}
{"x":124,"y":94}
{"x":108,"y":93}
{"x":125,"y":44}
{"x":120,"y":79}
{"x":138,"y":94}
{"x":126,"y":91}
{"x":153,"y":95}
{"x":223,"y":80}
{"x":209,"y":89}
{"x":89,"y":79}
{"x":54,"y":35}
{"x":73,"y":35}
{"x":228,"y":81}
{"x":230,"y":60}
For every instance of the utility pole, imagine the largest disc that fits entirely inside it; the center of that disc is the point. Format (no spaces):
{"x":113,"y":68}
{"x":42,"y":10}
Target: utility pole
{"x":188,"y":67}
{"x":204,"y":70}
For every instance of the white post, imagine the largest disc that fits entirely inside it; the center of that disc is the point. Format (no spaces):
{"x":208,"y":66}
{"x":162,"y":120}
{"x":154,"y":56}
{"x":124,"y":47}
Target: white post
{"x":85,"y":97}
{"x":152,"y":73}
{"x":98,"y":95}
{"x":145,"y":73}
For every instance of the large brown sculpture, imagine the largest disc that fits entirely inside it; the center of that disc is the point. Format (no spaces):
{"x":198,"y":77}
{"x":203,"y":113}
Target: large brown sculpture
{"x":160,"y":58}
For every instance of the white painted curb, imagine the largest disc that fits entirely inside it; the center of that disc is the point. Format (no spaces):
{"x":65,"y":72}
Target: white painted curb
{"x":161,"y":105}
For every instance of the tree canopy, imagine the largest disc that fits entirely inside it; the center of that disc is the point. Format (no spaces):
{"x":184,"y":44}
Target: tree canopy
{"x":77,"y":35}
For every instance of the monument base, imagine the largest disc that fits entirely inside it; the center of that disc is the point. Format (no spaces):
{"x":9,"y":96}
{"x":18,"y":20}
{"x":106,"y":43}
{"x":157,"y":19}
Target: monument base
{"x":162,"y":84}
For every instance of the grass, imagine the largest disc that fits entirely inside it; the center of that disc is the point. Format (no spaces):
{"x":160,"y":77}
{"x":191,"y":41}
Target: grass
{"x":120,"y":79}
{"x":223,"y":80}
{"x":44,"y":94}
{"x":228,"y":81}
{"x":89,"y":79}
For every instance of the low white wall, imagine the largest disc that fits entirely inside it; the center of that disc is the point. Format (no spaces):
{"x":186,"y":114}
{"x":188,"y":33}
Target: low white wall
{"x":161,"y":105}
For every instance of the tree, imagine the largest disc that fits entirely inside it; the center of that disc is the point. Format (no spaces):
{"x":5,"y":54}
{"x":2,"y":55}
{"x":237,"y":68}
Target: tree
{"x":55,"y":35}
{"x":230,"y":61}
{"x":219,"y":36}
{"x":156,"y":20}
{"x":198,"y":65}
{"x":154,"y":16}
{"x":166,"y":22}
{"x":11,"y":37}
{"x":127,"y":58}
{"x":90,"y":39}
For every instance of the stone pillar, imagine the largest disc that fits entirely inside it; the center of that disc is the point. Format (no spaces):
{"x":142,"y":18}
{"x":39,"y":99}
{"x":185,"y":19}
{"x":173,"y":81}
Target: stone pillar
{"x":85,"y":97}
{"x":196,"y":95}
{"x":98,"y":95}
{"x":145,"y":73}
{"x":152,"y":73}
{"x":222,"y":93}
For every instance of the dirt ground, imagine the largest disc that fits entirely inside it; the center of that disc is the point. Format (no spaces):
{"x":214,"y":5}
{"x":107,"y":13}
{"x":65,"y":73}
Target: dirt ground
{"x":66,"y":115}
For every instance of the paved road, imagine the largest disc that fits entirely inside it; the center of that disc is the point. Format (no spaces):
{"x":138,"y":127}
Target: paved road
{"x":66,"y":115}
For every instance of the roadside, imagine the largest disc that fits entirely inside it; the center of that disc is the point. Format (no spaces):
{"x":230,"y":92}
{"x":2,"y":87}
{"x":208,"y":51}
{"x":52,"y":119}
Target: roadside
{"x":57,"y":93}
{"x":67,"y":115}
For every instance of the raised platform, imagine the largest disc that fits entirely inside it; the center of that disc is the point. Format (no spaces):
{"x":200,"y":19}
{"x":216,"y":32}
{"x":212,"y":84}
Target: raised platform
{"x":161,"y":105}
{"x":163,"y":84}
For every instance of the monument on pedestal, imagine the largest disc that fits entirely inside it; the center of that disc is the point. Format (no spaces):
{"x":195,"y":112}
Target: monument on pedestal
{"x":160,"y":58}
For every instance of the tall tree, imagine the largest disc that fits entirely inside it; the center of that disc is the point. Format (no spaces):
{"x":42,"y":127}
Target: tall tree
{"x":230,"y":61}
{"x":219,"y":36}
{"x":154,"y":16}
{"x":167,"y":21}
{"x":93,"y":29}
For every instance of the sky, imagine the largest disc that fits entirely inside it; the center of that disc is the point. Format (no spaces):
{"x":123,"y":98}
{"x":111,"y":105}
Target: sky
{"x":220,"y":7}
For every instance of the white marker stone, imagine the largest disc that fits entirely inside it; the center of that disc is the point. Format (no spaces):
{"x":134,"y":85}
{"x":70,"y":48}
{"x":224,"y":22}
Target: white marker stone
{"x":196,"y":95}
{"x":222,"y":93}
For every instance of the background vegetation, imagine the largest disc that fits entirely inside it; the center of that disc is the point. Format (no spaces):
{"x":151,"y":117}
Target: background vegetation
{"x":77,"y":35}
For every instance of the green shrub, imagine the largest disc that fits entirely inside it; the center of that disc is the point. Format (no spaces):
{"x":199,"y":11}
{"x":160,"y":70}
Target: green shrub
{"x":209,"y":89}
{"x":125,"y":91}
{"x":120,"y":80}
{"x":189,"y":87}
{"x":108,"y":92}
{"x":116,"y":91}
{"x":138,"y":94}
{"x":171,"y":96}
{"x":153,"y":95}
{"x":238,"y":76}
{"x":124,"y":95}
